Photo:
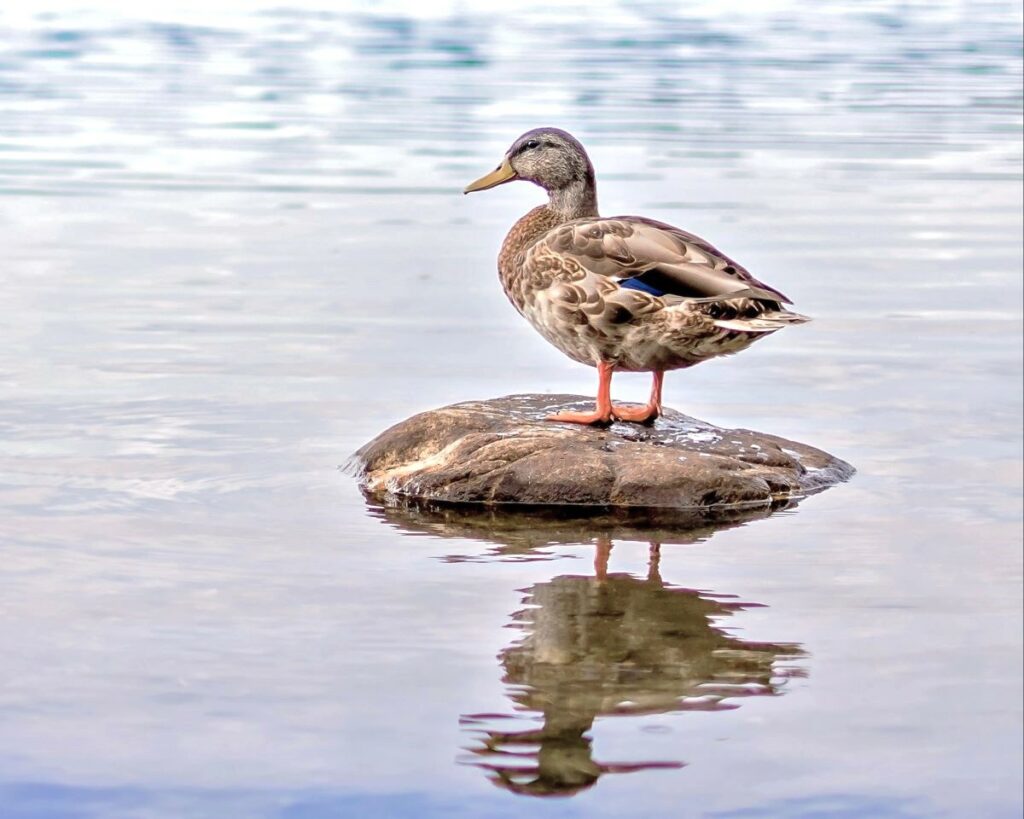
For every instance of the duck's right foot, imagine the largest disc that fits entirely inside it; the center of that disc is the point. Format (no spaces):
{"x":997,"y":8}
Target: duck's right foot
{"x":596,"y":418}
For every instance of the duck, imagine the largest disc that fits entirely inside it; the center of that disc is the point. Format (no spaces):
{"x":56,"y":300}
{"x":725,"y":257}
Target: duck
{"x":620,"y":293}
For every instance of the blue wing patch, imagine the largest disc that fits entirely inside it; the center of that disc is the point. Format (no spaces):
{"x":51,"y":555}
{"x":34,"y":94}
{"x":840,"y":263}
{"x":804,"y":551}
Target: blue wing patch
{"x":638,"y":283}
{"x":659,"y":283}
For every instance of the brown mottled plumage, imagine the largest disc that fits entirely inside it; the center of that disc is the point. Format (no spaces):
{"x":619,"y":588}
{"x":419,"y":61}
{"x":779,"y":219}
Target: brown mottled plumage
{"x":620,"y":293}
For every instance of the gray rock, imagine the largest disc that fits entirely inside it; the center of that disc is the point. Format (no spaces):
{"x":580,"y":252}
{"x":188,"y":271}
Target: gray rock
{"x":502,"y":451}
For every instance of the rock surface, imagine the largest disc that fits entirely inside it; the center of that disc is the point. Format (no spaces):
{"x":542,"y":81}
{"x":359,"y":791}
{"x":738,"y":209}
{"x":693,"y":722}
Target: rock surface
{"x":502,"y":451}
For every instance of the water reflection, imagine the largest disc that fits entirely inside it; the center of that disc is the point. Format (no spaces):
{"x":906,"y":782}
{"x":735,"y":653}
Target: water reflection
{"x":601,"y":644}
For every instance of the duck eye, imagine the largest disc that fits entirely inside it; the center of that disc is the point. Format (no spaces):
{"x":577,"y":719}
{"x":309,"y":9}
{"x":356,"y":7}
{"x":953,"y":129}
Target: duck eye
{"x":533,"y":143}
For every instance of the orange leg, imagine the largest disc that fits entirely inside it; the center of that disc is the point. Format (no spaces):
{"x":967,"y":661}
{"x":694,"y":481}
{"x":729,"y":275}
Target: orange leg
{"x":644,"y":415}
{"x":602,"y":413}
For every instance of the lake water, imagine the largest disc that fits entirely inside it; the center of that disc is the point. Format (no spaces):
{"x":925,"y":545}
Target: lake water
{"x":235,"y":250}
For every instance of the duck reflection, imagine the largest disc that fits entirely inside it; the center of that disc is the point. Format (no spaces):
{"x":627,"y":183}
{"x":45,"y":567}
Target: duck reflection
{"x":602,"y":644}
{"x":614,"y":644}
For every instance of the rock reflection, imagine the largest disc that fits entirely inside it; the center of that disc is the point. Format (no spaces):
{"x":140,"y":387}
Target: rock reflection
{"x":602,"y":644}
{"x":525,"y":533}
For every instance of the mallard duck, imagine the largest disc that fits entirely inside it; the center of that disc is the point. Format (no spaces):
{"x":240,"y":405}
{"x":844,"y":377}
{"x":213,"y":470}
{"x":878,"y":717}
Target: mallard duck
{"x":620,"y":293}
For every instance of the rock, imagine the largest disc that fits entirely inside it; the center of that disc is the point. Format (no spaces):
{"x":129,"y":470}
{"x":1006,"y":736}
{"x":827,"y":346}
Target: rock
{"x":502,"y":451}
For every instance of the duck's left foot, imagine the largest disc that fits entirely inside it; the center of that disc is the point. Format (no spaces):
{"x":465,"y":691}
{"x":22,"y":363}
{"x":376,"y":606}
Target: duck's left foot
{"x":637,"y":415}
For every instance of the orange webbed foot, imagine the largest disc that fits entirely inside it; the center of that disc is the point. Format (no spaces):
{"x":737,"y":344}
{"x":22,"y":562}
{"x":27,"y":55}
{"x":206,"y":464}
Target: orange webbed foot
{"x":636,"y":415}
{"x":595,"y":418}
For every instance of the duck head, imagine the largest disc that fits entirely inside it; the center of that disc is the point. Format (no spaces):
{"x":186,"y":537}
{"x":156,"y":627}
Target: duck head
{"x":556,"y":161}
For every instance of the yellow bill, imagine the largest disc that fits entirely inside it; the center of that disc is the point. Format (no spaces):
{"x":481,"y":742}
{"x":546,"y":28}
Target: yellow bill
{"x":499,"y":176}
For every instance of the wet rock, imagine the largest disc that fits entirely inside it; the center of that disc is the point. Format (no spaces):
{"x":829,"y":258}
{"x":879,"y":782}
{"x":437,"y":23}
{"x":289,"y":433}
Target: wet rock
{"x":502,"y":451}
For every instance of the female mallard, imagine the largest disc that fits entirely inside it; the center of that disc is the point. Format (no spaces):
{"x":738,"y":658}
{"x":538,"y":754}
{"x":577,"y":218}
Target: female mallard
{"x":623,"y":293}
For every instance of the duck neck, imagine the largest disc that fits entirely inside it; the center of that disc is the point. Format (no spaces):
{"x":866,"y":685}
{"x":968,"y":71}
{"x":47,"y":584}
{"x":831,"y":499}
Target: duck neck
{"x":576,"y":200}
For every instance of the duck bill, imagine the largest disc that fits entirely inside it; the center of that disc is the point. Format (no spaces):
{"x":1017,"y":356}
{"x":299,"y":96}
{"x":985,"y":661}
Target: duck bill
{"x":499,"y":176}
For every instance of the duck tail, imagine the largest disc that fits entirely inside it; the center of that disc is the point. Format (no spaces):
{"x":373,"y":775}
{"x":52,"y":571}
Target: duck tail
{"x":767,"y":322}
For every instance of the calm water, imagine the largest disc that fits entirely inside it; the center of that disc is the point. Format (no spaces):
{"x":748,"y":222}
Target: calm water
{"x":235,"y":249}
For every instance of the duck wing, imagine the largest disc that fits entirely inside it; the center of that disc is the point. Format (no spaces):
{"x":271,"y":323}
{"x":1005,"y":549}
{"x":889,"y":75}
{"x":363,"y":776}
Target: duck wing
{"x":653,"y":257}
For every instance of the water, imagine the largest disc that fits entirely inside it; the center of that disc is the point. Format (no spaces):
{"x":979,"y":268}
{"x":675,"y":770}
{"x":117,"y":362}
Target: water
{"x":235,"y":251}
